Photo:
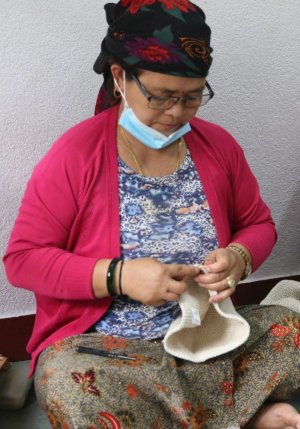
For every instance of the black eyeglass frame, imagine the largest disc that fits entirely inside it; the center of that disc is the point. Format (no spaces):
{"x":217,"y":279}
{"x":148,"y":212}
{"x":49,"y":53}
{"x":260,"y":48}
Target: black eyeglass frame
{"x":174,"y":99}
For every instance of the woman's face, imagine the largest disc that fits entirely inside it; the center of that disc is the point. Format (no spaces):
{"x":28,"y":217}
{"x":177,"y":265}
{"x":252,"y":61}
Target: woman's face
{"x":158,"y":84}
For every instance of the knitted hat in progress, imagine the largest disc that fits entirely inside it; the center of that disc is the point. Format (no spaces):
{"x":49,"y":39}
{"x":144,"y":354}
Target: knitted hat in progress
{"x":204,"y":330}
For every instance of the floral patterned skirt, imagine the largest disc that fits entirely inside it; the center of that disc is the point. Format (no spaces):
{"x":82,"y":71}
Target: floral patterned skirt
{"x":158,"y":391}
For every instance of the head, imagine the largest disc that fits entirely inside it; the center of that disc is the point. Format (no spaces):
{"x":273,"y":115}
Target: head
{"x":162,"y":102}
{"x":168,"y":37}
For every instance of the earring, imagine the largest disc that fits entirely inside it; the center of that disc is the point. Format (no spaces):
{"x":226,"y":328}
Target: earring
{"x":117,"y":93}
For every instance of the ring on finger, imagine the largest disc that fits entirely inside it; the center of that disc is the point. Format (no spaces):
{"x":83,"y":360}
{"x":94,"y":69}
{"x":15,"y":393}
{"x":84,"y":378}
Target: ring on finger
{"x":231,"y":283}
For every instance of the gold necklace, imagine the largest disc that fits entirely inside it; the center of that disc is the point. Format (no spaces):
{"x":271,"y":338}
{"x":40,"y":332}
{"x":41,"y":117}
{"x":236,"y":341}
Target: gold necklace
{"x":133,"y":156}
{"x":129,"y":147}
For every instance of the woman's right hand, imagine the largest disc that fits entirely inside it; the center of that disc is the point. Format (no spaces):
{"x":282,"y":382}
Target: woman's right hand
{"x":147,"y":280}
{"x":153,"y":283}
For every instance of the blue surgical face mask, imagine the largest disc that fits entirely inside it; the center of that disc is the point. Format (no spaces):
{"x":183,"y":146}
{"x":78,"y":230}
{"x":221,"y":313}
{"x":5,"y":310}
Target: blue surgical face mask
{"x":147,"y":135}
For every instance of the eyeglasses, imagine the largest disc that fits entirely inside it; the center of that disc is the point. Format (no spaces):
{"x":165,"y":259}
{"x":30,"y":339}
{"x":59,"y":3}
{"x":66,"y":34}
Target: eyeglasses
{"x":164,"y":103}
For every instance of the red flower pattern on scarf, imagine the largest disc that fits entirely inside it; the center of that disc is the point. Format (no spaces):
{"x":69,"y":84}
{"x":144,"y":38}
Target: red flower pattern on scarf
{"x":183,"y":5}
{"x":155,"y":54}
{"x":135,"y":5}
{"x":152,"y":50}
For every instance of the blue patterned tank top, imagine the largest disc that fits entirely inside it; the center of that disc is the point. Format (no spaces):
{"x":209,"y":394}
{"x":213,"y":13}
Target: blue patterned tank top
{"x":166,"y":218}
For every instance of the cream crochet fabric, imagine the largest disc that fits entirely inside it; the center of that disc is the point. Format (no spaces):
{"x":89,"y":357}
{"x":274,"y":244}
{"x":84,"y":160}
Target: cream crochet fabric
{"x":285,"y":293}
{"x":204,"y":330}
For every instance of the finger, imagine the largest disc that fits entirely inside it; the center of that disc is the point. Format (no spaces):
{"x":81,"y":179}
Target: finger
{"x":214,"y":280}
{"x":210,"y":259}
{"x":179,"y":271}
{"x":194,"y":270}
{"x":224,"y":289}
{"x":222,"y":295}
{"x":170,"y":296}
{"x":202,"y":268}
{"x":157,"y":303}
{"x":176,"y":287}
{"x":226,"y":282}
{"x":222,"y":264}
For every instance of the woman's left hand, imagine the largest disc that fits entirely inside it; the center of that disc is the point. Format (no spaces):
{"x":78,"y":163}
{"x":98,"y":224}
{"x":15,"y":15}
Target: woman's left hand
{"x":225,"y":269}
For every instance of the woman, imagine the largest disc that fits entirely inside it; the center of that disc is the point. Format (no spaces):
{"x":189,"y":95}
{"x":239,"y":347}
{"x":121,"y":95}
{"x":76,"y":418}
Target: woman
{"x":113,"y":225}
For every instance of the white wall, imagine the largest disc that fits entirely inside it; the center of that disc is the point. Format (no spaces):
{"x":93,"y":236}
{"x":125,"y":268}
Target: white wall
{"x":47,"y":84}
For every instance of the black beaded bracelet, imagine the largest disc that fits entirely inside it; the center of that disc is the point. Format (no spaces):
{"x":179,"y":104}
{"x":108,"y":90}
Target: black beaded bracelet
{"x":110,"y":276}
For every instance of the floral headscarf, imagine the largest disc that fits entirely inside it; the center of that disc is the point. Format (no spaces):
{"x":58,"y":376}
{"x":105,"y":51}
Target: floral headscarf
{"x":164,"y":36}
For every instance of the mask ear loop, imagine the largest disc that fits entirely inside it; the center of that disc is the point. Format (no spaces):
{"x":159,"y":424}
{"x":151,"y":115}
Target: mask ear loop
{"x":123,"y":94}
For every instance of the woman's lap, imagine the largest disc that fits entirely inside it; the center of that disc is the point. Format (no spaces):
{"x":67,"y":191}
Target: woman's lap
{"x":157,"y":391}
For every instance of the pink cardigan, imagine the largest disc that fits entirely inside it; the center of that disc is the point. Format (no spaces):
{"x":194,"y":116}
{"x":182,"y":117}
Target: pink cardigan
{"x":69,"y":218}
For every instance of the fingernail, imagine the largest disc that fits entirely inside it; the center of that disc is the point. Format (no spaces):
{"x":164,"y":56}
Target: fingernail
{"x":202,"y":268}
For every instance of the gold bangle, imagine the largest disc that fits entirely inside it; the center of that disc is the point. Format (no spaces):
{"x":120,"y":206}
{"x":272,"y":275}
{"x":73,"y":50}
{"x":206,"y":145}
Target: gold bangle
{"x":247,"y":260}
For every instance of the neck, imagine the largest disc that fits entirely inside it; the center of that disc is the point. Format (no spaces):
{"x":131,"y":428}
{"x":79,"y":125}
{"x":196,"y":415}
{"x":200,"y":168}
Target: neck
{"x":147,"y":161}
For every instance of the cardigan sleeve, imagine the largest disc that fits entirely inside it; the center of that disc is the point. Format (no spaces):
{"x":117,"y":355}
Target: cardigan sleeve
{"x":252,"y":223}
{"x":239,"y":212}
{"x":36,"y":258}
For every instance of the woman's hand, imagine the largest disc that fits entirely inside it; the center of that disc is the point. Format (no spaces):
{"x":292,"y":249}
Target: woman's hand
{"x":153,"y":283}
{"x":223,"y":266}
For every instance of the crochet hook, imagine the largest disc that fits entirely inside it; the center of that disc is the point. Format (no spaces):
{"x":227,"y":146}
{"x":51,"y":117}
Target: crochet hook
{"x":104,"y":353}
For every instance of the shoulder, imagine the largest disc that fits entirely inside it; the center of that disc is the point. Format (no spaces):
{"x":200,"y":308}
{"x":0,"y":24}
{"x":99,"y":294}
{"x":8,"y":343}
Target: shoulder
{"x":212,"y":133}
{"x":214,"y":140}
{"x":214,"y":146}
{"x":79,"y":146}
{"x":88,"y":136}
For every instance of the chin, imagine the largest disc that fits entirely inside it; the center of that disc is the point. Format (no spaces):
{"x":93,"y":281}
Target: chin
{"x":167,"y":130}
